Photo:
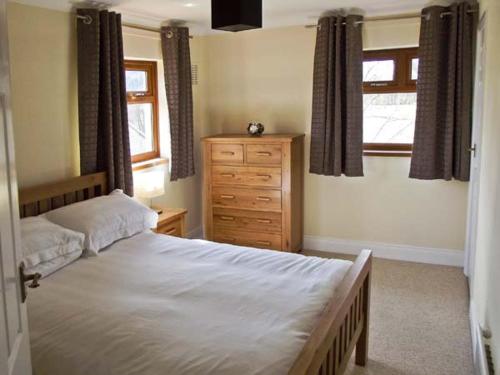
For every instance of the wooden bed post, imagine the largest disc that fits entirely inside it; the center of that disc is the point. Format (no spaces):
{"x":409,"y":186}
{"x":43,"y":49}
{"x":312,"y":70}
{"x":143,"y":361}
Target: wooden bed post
{"x":362,"y":344}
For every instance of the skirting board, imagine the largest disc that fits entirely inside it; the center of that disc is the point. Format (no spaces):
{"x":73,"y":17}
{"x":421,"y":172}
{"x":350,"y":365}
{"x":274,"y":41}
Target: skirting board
{"x":406,"y":253}
{"x":478,"y":349}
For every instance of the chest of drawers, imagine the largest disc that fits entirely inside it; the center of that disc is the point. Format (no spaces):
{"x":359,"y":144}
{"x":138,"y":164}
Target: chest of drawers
{"x":253,"y":190}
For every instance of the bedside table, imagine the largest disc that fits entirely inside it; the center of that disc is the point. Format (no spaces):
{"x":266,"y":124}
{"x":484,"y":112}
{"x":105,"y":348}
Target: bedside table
{"x":172,"y":221}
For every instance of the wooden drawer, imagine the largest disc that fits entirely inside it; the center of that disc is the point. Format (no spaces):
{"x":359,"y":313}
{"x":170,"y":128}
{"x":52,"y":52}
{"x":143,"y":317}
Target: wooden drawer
{"x":250,"y":176}
{"x":229,"y":218}
{"x":263,"y":154}
{"x":251,"y":239}
{"x":228,"y":153}
{"x":253,"y":186}
{"x":173,"y":228}
{"x":257,"y":199}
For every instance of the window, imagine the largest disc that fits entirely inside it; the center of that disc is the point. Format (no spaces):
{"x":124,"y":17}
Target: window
{"x":142,"y":105}
{"x":389,"y":101}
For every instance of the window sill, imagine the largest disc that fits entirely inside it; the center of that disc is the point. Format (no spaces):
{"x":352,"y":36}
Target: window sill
{"x":393,"y":154}
{"x":149,"y":164}
{"x":387,"y":149}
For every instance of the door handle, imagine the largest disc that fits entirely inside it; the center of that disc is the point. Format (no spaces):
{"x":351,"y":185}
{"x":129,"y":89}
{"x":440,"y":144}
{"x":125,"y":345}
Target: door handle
{"x":472,"y":150}
{"x":24,"y":278}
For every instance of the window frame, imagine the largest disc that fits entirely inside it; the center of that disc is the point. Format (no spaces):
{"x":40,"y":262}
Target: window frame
{"x":151,"y":97}
{"x":402,"y":83}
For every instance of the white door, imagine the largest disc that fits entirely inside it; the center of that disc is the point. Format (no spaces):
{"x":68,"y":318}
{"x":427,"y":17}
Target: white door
{"x":470,"y":243}
{"x":14,"y":337}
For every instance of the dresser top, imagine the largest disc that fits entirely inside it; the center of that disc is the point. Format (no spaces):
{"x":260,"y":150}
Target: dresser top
{"x":246,"y":137}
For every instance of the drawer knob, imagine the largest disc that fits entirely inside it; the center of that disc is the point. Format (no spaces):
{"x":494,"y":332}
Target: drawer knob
{"x":264,"y":243}
{"x":263,"y":153}
{"x":224,"y":196}
{"x":263,"y":199}
{"x":264,"y":221}
{"x":170,"y":230}
{"x":227,"y":218}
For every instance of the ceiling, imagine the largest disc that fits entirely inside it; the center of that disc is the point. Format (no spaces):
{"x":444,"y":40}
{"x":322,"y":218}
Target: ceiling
{"x":196,"y":13}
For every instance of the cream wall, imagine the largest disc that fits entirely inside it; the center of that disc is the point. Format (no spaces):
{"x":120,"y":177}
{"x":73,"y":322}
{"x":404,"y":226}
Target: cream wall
{"x":485,"y":293}
{"x":266,"y":75}
{"x":44,"y":93}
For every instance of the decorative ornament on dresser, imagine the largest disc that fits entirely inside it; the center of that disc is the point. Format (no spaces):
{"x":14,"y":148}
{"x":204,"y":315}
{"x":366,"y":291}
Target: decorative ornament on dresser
{"x":255,"y":128}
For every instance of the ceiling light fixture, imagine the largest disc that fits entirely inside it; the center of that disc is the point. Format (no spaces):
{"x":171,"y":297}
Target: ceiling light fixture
{"x":236,"y":15}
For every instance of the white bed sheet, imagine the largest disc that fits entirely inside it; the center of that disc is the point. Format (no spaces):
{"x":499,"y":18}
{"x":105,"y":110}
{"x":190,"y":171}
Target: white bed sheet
{"x":159,"y":305}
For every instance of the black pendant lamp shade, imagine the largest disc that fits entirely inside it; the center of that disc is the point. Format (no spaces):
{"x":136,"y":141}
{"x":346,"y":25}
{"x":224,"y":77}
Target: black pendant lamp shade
{"x":236,"y":15}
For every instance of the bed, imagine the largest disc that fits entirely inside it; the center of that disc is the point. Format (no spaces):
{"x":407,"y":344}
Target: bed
{"x":283,"y":313}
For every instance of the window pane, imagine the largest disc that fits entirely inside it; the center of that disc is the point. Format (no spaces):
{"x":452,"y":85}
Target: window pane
{"x":414,"y":69}
{"x":140,"y":125}
{"x":376,"y":71}
{"x":389,"y":118}
{"x":136,"y":80}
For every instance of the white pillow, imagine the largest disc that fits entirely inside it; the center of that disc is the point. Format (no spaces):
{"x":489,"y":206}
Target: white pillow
{"x":43,"y":241}
{"x":105,"y":219}
{"x":51,"y":266}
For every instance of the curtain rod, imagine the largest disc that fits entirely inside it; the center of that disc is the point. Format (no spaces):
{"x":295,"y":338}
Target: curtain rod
{"x":87,"y":20}
{"x":396,"y":17}
{"x":145,"y":28}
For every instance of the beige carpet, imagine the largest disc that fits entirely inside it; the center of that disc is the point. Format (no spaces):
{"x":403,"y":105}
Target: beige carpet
{"x":419,"y":320}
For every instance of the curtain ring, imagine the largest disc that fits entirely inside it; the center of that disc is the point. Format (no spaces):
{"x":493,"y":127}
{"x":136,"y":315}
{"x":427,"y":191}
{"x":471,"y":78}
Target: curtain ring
{"x":427,"y":16}
{"x":87,"y":20}
{"x":170,"y":34}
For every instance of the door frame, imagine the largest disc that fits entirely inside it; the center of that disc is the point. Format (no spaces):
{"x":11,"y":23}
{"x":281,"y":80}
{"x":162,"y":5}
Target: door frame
{"x":477,"y":128}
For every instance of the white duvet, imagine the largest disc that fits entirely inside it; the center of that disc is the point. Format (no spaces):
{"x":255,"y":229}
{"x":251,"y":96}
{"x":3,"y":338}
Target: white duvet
{"x":159,"y":305}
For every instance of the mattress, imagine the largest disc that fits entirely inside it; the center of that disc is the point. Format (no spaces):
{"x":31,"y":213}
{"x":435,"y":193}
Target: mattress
{"x":154,"y":304}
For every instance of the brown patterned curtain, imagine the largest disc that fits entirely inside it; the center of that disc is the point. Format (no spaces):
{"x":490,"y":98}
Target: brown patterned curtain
{"x":337,"y":111}
{"x":444,"y":93}
{"x":102,"y":101}
{"x":177,"y":66}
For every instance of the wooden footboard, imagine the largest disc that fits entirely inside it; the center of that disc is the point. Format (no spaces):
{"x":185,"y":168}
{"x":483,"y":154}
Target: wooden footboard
{"x":342,"y":326}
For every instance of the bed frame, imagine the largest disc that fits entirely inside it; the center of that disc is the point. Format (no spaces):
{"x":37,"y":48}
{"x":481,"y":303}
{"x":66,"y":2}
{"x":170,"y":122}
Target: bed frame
{"x":342,"y":326}
{"x":37,"y":200}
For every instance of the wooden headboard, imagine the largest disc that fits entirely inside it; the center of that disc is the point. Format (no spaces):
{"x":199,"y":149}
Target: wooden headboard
{"x":39,"y":199}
